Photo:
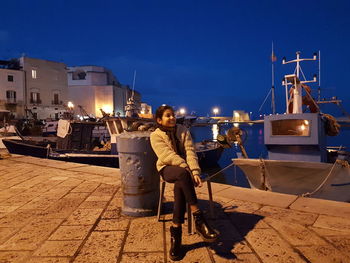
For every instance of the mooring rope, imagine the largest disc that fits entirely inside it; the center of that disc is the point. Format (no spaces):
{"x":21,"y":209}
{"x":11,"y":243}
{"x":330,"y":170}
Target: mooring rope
{"x":211,"y":176}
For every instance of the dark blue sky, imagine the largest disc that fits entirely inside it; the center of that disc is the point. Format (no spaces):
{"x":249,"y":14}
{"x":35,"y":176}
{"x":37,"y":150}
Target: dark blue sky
{"x":195,"y":54}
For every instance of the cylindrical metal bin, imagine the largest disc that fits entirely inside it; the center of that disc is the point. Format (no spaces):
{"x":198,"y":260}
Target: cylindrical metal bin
{"x":140,"y":179}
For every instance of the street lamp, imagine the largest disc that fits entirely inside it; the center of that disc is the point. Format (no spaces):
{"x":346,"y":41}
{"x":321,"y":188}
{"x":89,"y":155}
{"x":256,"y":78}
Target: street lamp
{"x":215,"y":111}
{"x":182,"y":111}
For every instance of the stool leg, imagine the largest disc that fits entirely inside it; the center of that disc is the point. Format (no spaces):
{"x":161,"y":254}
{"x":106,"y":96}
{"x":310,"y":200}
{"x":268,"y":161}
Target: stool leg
{"x":211,"y":204}
{"x":161,"y":196}
{"x":190,"y":220}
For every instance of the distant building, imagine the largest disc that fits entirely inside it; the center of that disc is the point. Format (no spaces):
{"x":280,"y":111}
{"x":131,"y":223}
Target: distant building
{"x":95,"y":88}
{"x":45,"y":87}
{"x":12,"y":88}
{"x":239,"y":115}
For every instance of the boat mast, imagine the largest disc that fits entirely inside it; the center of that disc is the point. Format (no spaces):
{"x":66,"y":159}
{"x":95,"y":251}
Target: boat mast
{"x":294,"y":80}
{"x":319,"y":75}
{"x":273,"y":59}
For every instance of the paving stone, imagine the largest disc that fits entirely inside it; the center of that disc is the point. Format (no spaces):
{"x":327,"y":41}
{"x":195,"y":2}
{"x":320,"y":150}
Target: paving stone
{"x":17,"y":218}
{"x":13,"y":256}
{"x":287,"y":215}
{"x":112,"y":224}
{"x":323,"y":254}
{"x":99,"y":198}
{"x":93,"y":204}
{"x":241,"y":206}
{"x":104,"y":189}
{"x":112,"y":214}
{"x":149,"y":231}
{"x":334,"y":223}
{"x":142,"y":258}
{"x":317,"y":206}
{"x":107,"y":171}
{"x":244,"y":222}
{"x":9,"y":192}
{"x":73,"y":182}
{"x":6,"y":233}
{"x":237,"y":258}
{"x":83,"y":217}
{"x":230,"y":240}
{"x":270,"y":247}
{"x":86,"y":186}
{"x":295,"y":234}
{"x":32,"y":235}
{"x":341,"y":243}
{"x":70,"y":233}
{"x":325,"y":232}
{"x":49,"y":260}
{"x":101,"y":247}
{"x":58,"y":248}
{"x":64,"y":207}
{"x":8,"y":209}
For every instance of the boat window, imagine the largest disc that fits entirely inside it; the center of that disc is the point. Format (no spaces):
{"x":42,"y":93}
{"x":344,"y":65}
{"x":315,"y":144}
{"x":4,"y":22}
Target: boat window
{"x":291,"y":127}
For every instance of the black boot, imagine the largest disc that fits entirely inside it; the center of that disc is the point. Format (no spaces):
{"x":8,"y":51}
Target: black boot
{"x":175,"y":243}
{"x":202,"y":227}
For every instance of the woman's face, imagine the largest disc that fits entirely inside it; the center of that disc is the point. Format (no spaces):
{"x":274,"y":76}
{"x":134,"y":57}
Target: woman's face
{"x":168,"y":119}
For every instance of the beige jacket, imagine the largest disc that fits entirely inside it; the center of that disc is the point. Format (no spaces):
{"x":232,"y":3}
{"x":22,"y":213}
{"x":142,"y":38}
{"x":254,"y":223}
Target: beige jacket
{"x":166,"y":154}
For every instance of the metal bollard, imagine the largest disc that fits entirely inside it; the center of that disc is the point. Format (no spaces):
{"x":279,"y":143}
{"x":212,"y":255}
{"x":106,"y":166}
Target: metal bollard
{"x":140,"y":180}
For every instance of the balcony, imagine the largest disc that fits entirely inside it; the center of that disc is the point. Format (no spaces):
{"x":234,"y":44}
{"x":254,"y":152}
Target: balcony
{"x":37,"y":101}
{"x":11,"y":101}
{"x":57,"y":102}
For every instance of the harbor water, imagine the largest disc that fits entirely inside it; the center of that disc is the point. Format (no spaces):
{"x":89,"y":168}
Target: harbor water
{"x":254,"y":145}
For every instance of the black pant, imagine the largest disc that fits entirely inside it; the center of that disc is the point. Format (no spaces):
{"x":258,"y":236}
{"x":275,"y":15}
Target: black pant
{"x":184,"y":191}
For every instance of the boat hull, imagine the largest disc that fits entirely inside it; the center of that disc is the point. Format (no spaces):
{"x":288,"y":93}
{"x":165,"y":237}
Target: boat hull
{"x":41,"y":150}
{"x":318,"y":180}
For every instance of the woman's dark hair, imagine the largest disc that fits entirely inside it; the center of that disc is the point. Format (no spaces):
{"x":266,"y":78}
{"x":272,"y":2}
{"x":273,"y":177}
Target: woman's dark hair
{"x":161,"y":109}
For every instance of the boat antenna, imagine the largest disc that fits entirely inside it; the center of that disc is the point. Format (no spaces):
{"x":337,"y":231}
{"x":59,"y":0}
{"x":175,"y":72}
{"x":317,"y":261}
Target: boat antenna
{"x":273,"y":59}
{"x":319,"y":75}
{"x":133,"y":85}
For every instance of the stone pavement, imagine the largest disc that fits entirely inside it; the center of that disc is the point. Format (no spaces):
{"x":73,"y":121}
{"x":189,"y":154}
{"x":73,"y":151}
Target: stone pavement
{"x":52,"y":211}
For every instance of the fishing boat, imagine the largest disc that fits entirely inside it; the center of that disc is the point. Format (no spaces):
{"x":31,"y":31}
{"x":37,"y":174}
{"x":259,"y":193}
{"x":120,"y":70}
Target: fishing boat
{"x":75,"y":142}
{"x":298,"y":160}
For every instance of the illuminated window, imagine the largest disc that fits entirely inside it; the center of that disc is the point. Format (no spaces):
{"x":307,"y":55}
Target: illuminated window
{"x":35,"y":97}
{"x":292,"y":127}
{"x":34,"y":73}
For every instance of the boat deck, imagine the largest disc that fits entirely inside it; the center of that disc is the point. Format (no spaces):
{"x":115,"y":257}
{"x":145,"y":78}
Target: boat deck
{"x":52,"y":211}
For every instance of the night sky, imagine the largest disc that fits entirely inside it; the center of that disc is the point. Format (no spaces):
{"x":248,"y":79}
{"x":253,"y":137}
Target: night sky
{"x":192,"y":54}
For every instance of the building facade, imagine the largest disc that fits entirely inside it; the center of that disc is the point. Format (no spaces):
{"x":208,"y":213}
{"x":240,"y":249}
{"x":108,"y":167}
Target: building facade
{"x":95,"y":88}
{"x":12,"y":88}
{"x":45,"y":88}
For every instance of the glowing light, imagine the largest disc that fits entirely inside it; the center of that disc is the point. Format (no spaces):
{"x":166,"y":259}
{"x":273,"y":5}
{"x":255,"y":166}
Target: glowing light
{"x":215,"y":110}
{"x":107,"y":108}
{"x":215,"y":130}
{"x":236,"y":124}
{"x":306,"y":122}
{"x":182,"y":111}
{"x":70,"y":105}
{"x":302,"y":127}
{"x":142,"y":112}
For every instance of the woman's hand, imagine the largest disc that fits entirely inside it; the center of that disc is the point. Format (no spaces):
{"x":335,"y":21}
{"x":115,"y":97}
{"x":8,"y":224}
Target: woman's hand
{"x":197,"y":181}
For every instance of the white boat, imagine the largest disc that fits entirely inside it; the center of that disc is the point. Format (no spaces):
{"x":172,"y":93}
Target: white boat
{"x":298,"y":160}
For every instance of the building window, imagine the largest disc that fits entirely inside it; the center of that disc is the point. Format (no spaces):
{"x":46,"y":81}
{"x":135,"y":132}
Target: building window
{"x":35,"y":97}
{"x":11,"y":96}
{"x":56,"y":100}
{"x":79,"y":75}
{"x":9,"y":78}
{"x":34,"y":73}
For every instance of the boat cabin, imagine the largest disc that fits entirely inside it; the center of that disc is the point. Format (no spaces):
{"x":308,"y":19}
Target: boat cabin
{"x":298,"y":137}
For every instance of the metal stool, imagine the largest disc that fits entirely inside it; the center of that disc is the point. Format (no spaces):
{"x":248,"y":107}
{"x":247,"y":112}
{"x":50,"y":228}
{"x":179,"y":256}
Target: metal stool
{"x":190,"y":220}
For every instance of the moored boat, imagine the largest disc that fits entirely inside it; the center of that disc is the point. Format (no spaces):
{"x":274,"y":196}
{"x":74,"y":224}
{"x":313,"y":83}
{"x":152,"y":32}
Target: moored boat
{"x":298,"y":160}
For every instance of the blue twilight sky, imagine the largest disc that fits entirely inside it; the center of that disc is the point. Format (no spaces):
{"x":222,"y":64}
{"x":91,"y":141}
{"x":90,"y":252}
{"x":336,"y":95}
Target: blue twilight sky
{"x":192,"y":54}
